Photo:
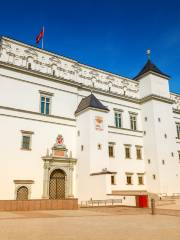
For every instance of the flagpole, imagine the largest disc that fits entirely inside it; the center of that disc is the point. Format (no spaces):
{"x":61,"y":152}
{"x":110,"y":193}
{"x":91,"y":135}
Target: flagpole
{"x":43,"y":39}
{"x":42,"y":42}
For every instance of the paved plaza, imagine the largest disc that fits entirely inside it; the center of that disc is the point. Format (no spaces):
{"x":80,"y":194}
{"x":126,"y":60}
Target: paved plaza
{"x":102,"y":223}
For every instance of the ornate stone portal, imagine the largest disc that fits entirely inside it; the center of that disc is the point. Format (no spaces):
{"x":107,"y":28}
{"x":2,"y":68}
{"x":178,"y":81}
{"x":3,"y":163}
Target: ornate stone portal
{"x":58,"y":160}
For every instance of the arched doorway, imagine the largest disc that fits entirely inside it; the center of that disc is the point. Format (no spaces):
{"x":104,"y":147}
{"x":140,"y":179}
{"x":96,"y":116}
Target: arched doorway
{"x":57,"y":184}
{"x":22,"y":193}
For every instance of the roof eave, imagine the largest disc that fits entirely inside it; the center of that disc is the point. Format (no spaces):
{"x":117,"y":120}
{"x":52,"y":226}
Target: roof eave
{"x":91,"y":108}
{"x":152,"y":72}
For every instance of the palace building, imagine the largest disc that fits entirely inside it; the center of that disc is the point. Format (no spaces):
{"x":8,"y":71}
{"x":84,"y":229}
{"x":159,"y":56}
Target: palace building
{"x":71,"y":130}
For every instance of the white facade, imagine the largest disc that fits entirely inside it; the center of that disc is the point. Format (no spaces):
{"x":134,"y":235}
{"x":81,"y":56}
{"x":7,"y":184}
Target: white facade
{"x":27,"y":73}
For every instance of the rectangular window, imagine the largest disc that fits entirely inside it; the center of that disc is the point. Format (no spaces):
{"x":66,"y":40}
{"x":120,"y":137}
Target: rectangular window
{"x":133,"y":122}
{"x":139,"y":152}
{"x":179,"y":156}
{"x":45,"y":104}
{"x":26,"y":140}
{"x":113,"y":180}
{"x":140,"y":180}
{"x":129,"y":180}
{"x":178,"y":129}
{"x":111,"y":150}
{"x":118,"y":119}
{"x":127,"y":151}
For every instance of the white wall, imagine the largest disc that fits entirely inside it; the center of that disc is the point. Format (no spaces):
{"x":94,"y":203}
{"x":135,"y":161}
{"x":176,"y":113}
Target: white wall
{"x":17,"y":164}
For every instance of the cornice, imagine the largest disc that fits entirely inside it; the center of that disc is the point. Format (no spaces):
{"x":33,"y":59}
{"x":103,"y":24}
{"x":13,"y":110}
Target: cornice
{"x":126,"y":129}
{"x":156,"y":97}
{"x":59,"y":159}
{"x":102,"y":173}
{"x":154,"y":73}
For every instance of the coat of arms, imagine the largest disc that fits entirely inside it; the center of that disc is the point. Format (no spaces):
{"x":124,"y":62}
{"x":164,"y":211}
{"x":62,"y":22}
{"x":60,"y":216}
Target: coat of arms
{"x":99,"y":123}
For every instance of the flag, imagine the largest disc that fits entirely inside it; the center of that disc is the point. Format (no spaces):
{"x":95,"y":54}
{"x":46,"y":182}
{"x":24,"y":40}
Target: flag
{"x":40,"y":36}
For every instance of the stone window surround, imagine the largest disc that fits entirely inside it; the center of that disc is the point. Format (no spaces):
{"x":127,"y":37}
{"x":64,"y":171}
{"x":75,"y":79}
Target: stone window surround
{"x":178,"y":129}
{"x":112,"y":144}
{"x":139,"y":147}
{"x":141,"y":175}
{"x":46,"y":95}
{"x":29,"y":134}
{"x":129,"y":174}
{"x":179,"y":156}
{"x":114,"y":176}
{"x":127,"y":146}
{"x":134,"y":114}
{"x":23,"y":183}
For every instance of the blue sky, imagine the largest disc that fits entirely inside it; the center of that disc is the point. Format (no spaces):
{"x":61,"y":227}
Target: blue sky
{"x":112,"y":35}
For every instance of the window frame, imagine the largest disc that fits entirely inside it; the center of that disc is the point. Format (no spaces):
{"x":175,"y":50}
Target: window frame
{"x":139,"y":148}
{"x":45,"y":95}
{"x":142,"y":177}
{"x":113,"y":150}
{"x":133,"y":123}
{"x":179,"y":156}
{"x":26,"y":134}
{"x":178,"y":130}
{"x":127,"y":146}
{"x":128,"y":176}
{"x":119,"y":118}
{"x":114,"y":179}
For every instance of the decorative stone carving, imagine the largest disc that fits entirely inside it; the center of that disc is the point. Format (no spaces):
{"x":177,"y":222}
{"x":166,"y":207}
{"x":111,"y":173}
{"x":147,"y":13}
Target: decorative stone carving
{"x":58,"y":159}
{"x":64,"y":69}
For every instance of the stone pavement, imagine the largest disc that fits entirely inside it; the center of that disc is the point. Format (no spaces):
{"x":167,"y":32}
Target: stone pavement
{"x":89,"y":224}
{"x":175,"y":205}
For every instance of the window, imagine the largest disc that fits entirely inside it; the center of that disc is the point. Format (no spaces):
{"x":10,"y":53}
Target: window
{"x":129,"y":179}
{"x":139,"y":152}
{"x":113,"y":180}
{"x":29,"y":66}
{"x":163,"y":162}
{"x":99,"y":146}
{"x":133,"y":121}
{"x":111,"y":150}
{"x":178,"y":129}
{"x":45,"y":105}
{"x":149,"y":161}
{"x":45,"y":102}
{"x":179,"y":156}
{"x":127,"y":151}
{"x":23,"y":189}
{"x":53,"y":72}
{"x":154,"y":176}
{"x":26,"y":140}
{"x":118,"y":119}
{"x":82,"y":147}
{"x":140,"y":180}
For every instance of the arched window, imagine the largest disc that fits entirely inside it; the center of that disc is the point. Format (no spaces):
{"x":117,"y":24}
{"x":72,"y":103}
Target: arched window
{"x":22,"y":193}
